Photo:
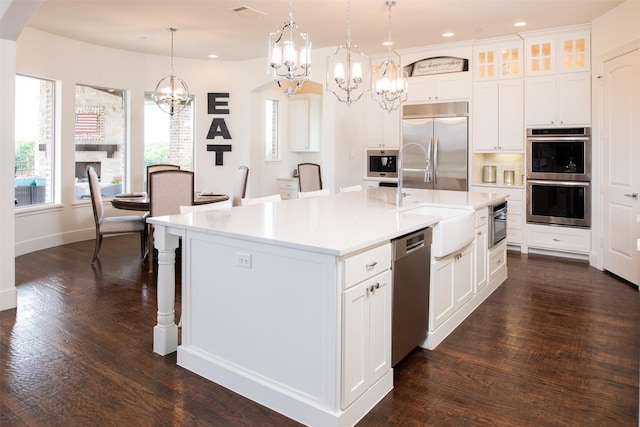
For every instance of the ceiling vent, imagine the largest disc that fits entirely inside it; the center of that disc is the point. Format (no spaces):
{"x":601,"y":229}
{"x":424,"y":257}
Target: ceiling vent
{"x":248,"y":11}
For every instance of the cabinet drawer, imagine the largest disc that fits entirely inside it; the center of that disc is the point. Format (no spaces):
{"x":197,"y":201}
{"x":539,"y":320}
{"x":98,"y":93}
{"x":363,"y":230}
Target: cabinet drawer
{"x":366,"y":264}
{"x":286,"y":195}
{"x":497,"y":260}
{"x":482,"y":216}
{"x":559,"y":238}
{"x":287,"y":185}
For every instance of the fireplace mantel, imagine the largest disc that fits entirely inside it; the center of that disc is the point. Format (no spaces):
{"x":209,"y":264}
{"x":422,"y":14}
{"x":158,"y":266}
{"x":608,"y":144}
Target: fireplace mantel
{"x":111,"y":149}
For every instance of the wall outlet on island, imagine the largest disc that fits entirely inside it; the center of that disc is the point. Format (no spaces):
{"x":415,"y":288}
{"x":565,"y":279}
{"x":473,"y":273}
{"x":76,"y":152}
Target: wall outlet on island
{"x":243,"y":259}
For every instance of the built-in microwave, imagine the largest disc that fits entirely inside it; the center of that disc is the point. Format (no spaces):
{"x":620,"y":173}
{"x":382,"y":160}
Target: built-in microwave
{"x":382,"y":163}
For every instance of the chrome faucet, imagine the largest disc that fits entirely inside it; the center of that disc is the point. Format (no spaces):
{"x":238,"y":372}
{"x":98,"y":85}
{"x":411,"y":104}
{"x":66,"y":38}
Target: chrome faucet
{"x":401,"y":195}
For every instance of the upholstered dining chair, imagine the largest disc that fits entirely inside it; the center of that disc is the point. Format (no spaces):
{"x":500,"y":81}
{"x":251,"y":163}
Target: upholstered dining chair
{"x":168,"y":190}
{"x":351,"y":188}
{"x":258,"y":200}
{"x":309,"y":177}
{"x":317,"y":193}
{"x":159,"y":167}
{"x":205,"y":207}
{"x":240,"y":188}
{"x":115,"y":224}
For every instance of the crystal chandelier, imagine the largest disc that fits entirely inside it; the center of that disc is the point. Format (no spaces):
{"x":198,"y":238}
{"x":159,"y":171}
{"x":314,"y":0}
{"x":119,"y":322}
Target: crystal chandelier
{"x":389,"y":79}
{"x":348,"y":76}
{"x":290,"y":68}
{"x":172,"y":93}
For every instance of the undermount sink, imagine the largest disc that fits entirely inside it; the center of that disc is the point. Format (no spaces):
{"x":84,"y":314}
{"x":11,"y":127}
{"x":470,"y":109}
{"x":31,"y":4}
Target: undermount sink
{"x":455,"y":230}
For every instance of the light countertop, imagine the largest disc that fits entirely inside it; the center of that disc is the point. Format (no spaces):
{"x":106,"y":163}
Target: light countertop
{"x":338,"y":224}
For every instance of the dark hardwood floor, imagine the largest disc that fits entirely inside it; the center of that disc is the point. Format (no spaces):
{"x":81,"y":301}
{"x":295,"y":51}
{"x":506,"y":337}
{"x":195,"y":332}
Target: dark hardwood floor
{"x":556,"y":345}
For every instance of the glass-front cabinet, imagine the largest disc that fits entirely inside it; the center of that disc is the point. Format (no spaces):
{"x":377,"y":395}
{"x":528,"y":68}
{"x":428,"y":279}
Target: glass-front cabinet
{"x":566,"y":50}
{"x":498,"y":58}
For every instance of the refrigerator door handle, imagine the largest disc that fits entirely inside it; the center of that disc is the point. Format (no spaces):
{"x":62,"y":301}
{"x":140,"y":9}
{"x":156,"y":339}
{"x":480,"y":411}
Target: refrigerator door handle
{"x":427,"y":169}
{"x":435,"y":161}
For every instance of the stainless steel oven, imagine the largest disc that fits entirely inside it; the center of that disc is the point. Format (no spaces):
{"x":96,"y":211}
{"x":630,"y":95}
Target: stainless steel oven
{"x":497,"y":224}
{"x":559,"y":202}
{"x":382,"y":163}
{"x":562,"y":154}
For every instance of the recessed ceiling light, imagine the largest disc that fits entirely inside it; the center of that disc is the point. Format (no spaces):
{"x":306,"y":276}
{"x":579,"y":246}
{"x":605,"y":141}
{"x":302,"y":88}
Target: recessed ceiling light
{"x":447,"y":34}
{"x":520,"y":24}
{"x":213,"y":56}
{"x":387,"y":43}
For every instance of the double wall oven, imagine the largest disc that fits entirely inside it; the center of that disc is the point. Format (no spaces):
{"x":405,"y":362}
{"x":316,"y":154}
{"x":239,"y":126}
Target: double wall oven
{"x":559,"y":176}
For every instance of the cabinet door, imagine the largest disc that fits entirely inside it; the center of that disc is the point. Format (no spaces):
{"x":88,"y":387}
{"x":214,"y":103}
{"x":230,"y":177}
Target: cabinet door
{"x":540,"y":98}
{"x":382,"y":127}
{"x":574,"y":98}
{"x":511,"y":114}
{"x":510,"y":60}
{"x":441,"y":299}
{"x":421,"y":89}
{"x":486,"y":63}
{"x":380,"y":325}
{"x":463,"y":277}
{"x":453,"y":86}
{"x":573,"y":52}
{"x":485,"y":116}
{"x":366,"y":337}
{"x":355,"y":342}
{"x":480,"y":247}
{"x":540,"y":56}
{"x":299,"y":111}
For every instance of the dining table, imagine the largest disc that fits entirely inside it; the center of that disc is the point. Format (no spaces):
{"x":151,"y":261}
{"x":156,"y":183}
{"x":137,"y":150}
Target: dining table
{"x":140,"y":201}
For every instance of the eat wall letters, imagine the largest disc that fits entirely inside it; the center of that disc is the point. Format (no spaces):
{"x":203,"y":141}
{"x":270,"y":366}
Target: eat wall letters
{"x":218,"y":125}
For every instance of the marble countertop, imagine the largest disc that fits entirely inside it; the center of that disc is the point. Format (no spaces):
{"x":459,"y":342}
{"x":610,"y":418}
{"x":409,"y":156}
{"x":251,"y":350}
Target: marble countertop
{"x":339,"y":224}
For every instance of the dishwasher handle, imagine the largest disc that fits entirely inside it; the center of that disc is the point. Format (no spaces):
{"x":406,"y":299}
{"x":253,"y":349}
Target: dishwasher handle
{"x":411,"y":243}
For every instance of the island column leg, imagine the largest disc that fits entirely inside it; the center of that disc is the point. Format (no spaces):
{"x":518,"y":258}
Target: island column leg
{"x":165,"y":333}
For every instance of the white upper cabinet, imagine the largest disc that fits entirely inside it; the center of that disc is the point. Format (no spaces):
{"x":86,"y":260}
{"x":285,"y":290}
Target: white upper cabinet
{"x":498,"y":96}
{"x":558,"y":51}
{"x":499,"y":58}
{"x":439,"y":87}
{"x":558,"y":77}
{"x":382,"y":127}
{"x":304,"y":122}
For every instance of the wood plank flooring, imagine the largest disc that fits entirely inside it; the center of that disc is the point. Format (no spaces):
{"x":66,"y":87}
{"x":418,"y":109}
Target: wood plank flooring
{"x":556,"y":345}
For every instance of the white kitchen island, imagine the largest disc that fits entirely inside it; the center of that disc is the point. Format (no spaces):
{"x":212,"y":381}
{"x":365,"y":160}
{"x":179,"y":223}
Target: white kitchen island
{"x":289,"y":303}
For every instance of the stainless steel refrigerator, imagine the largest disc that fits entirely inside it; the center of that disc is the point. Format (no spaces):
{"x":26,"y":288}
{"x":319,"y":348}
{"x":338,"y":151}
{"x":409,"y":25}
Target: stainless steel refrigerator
{"x":442,"y":131}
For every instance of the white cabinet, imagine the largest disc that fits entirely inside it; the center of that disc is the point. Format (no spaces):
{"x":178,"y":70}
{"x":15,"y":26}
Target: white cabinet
{"x":439,"y":87}
{"x":366,"y":325}
{"x":451,"y":285}
{"x":304,"y":122}
{"x":563,"y":50}
{"x":382,"y":127}
{"x":480,"y":248}
{"x":498,"y":58}
{"x":558,"y":77}
{"x":515,"y":210}
{"x":497,"y":271}
{"x":562,"y":239}
{"x":366,"y":335}
{"x":559,"y":100}
{"x":498,"y":116}
{"x":288,"y":188}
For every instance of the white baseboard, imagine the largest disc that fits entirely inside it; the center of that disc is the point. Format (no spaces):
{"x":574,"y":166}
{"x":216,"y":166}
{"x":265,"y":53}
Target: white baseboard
{"x":8,"y":299}
{"x":53,"y":240}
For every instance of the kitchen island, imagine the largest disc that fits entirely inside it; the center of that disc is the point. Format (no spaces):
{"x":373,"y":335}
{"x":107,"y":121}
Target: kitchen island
{"x":289,"y":303}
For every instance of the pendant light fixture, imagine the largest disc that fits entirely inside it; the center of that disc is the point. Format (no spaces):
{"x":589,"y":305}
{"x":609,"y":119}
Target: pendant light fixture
{"x":172,"y":93}
{"x":389,"y":79}
{"x":348,"y":69}
{"x":290,"y":67}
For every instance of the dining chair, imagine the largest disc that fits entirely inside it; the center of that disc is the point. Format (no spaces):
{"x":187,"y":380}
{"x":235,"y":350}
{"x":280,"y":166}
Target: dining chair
{"x":351,"y":188}
{"x":317,"y":193}
{"x":159,"y":167}
{"x":115,"y":224}
{"x":240,"y":188}
{"x":168,"y":190}
{"x":258,"y":200}
{"x":309,"y":177}
{"x":205,"y":207}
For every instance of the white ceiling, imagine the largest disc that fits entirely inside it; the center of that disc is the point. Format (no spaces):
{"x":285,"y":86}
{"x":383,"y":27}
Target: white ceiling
{"x":210,"y":26}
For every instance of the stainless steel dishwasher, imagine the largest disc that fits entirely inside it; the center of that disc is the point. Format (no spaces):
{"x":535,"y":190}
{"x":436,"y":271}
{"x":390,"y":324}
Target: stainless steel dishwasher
{"x":411,"y":268}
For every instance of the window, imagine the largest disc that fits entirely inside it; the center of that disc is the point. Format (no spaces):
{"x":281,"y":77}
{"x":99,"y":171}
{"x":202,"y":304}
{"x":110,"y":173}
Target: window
{"x":168,"y":139}
{"x":272,"y":142}
{"x":100,"y":139}
{"x":34,"y":143}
